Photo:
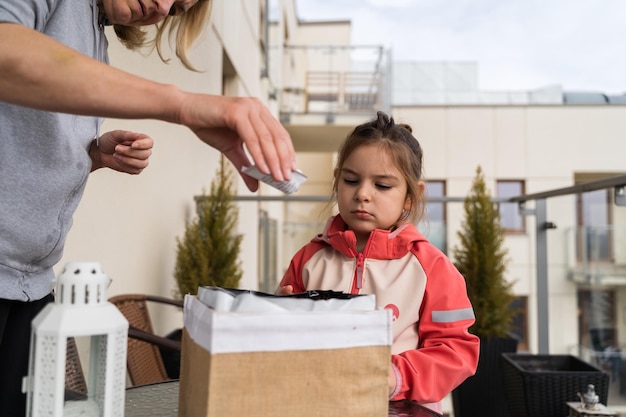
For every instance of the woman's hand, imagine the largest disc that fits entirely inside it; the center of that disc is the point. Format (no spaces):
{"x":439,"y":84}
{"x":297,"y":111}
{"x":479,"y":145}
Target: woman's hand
{"x":229,"y":123}
{"x":121,"y":151}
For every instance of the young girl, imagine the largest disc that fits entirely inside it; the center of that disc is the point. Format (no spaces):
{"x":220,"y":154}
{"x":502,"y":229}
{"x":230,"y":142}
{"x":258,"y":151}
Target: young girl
{"x":373,"y":247}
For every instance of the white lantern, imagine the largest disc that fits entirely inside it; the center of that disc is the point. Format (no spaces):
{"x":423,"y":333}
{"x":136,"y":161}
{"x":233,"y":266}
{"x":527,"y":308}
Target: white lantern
{"x":80,"y":310}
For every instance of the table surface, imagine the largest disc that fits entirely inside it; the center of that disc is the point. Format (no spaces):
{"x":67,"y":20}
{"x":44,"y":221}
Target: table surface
{"x":162,"y":399}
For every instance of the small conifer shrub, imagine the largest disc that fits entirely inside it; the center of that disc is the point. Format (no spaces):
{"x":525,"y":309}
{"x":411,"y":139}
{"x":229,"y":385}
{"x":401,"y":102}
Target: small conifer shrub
{"x":208,"y":253}
{"x":482,"y":260}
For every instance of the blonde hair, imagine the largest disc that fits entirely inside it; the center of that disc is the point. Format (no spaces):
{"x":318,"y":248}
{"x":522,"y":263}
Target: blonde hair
{"x":186,"y":28}
{"x":400,"y":144}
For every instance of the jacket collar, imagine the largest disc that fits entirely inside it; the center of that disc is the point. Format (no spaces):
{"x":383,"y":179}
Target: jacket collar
{"x":382,"y":244}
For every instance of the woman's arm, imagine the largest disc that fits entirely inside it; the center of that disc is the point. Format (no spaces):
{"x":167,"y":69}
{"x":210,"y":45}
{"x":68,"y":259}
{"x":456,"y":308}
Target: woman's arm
{"x":41,"y":73}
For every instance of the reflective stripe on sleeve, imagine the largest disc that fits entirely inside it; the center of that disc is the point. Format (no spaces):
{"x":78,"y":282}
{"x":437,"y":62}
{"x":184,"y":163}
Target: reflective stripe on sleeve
{"x":450,"y":316}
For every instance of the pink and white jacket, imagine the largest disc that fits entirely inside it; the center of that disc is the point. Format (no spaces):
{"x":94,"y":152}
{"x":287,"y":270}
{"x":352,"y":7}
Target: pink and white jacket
{"x":432,"y":351}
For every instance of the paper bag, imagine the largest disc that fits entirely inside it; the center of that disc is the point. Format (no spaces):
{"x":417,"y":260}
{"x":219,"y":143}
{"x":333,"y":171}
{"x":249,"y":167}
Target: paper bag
{"x":284,"y":364}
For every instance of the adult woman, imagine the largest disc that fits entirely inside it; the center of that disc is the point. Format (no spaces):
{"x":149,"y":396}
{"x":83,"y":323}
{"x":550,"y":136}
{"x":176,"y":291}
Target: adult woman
{"x":54,"y":88}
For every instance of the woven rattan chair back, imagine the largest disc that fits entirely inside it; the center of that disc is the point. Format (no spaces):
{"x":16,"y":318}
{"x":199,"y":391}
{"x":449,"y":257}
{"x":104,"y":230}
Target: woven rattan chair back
{"x":144,"y":362}
{"x":74,"y":376}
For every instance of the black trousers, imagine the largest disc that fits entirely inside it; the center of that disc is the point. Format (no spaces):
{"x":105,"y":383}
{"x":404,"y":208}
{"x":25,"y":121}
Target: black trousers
{"x":15,"y":328}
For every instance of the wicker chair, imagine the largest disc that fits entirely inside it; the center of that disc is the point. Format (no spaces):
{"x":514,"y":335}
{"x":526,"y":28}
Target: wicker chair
{"x":144,"y":361}
{"x":75,"y":384}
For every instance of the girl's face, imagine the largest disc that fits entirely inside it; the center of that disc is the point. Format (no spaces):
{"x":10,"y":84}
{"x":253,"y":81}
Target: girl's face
{"x":371,"y":192}
{"x":143,"y":12}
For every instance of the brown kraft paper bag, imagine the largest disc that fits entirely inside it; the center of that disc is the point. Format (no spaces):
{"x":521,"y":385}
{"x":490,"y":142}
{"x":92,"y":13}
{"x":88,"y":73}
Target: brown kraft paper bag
{"x":283,"y":364}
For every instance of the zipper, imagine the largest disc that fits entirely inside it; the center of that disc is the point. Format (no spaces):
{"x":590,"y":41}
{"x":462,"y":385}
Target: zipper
{"x":358,"y":279}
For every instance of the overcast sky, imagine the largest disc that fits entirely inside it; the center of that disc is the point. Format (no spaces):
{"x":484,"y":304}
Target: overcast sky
{"x":518,"y":44}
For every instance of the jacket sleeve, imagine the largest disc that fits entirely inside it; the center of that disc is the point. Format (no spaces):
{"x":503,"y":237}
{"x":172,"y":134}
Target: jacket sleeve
{"x":294,"y":275}
{"x":446,"y":353}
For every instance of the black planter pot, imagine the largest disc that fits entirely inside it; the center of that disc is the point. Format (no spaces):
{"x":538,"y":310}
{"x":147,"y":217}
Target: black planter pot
{"x":541,"y":385}
{"x":483,"y":393}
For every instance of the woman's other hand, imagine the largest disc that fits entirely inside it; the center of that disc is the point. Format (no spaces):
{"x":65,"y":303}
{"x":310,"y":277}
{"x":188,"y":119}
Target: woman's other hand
{"x":121,"y":151}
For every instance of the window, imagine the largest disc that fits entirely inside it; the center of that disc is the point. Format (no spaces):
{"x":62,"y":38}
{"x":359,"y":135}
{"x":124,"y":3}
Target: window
{"x":594,"y":221}
{"x":264,"y":22}
{"x":433,"y":225}
{"x":519,"y":325}
{"x":597,"y":320}
{"x":268,"y":255}
{"x":510,"y":218}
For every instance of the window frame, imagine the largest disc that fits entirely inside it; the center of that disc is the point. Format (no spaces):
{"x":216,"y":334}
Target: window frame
{"x":521,"y":317}
{"x":511,"y":230}
{"x":444,"y":211}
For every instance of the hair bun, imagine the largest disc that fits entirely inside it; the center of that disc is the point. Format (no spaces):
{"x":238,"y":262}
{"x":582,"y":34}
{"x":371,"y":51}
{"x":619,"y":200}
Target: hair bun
{"x":407,"y":127}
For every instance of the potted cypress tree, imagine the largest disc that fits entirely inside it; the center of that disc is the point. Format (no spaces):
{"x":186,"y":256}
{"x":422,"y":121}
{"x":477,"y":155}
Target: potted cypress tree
{"x":482,"y":260}
{"x":208,"y":253}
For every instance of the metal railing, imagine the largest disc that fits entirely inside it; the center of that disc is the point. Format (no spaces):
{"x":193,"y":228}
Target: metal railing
{"x":337,"y":79}
{"x":542,"y":226}
{"x":596,"y":255}
{"x":342,"y":92}
{"x":618,"y":183}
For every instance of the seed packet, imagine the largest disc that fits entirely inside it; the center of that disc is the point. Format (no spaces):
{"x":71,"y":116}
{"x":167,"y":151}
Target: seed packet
{"x":287,"y":187}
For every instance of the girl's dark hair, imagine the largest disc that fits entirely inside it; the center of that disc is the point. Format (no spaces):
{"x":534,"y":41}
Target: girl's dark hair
{"x":401,"y":146}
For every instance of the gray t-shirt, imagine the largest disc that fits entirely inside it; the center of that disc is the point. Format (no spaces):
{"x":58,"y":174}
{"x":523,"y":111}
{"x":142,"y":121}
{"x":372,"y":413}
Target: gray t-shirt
{"x":44,"y":161}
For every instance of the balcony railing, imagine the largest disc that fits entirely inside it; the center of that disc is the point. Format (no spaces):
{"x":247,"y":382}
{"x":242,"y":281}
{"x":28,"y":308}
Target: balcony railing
{"x":596,"y":255}
{"x":589,"y":256}
{"x":332,"y":79}
{"x":342,"y":92}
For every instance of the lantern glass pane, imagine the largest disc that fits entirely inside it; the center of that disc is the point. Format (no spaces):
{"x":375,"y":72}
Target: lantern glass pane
{"x":84,"y":378}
